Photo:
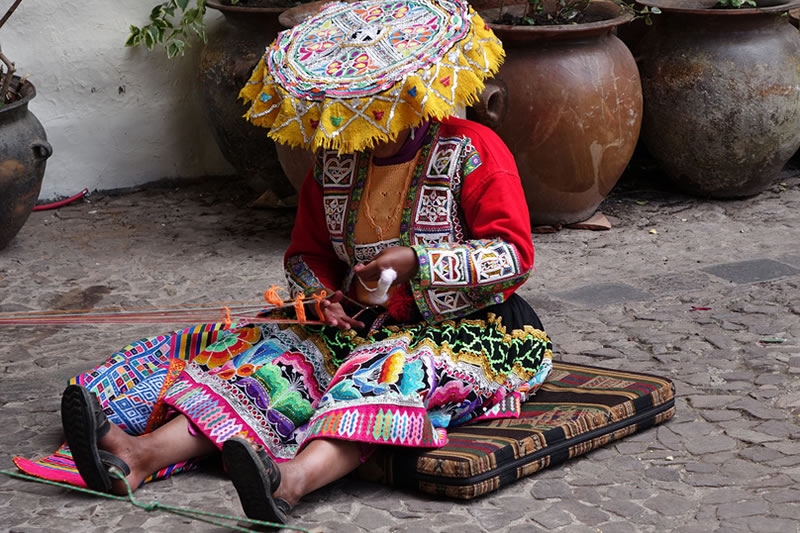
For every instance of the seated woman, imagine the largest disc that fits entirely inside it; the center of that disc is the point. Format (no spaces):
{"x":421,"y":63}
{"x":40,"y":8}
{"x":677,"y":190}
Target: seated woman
{"x":435,"y":205}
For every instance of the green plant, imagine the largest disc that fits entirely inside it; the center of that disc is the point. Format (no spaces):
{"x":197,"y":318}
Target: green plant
{"x":568,"y":12}
{"x":7,"y":68}
{"x":736,"y":3}
{"x":175,"y":23}
{"x":172,"y":23}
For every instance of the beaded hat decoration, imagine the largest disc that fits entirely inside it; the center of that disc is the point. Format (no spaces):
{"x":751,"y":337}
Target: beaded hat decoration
{"x":356,"y":74}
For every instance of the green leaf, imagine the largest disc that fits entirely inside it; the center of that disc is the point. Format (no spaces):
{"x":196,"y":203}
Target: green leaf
{"x":172,"y":50}
{"x":150,"y":37}
{"x":182,"y":4}
{"x":655,"y":11}
{"x":199,"y":29}
{"x":156,"y":12}
{"x":134,"y":38}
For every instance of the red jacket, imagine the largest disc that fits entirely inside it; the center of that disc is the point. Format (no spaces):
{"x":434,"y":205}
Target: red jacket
{"x":465,"y":216}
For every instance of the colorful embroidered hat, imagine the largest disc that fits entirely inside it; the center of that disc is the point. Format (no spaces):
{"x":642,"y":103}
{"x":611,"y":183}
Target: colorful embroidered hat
{"x":356,"y":74}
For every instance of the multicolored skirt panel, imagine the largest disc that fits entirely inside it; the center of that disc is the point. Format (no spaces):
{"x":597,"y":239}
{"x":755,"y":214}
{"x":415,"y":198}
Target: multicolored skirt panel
{"x":401,"y":385}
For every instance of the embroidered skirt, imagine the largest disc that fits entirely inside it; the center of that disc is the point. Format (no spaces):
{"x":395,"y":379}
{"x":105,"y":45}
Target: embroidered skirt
{"x":403,"y":384}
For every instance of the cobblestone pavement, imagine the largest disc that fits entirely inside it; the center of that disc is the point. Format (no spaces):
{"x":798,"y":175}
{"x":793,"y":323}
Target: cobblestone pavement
{"x":729,"y":461}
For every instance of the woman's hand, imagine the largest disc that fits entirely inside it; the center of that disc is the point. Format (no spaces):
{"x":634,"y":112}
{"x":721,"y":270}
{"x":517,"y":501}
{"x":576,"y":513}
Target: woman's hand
{"x":335,"y":315}
{"x":401,"y":258}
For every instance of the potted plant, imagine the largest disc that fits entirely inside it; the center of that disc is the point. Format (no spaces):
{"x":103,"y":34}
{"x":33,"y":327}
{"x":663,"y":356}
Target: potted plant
{"x":722,"y":93}
{"x":233,"y":47}
{"x":567,"y":102}
{"x":23,"y":148}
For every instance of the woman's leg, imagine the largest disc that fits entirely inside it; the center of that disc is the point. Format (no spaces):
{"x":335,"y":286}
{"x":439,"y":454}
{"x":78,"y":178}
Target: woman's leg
{"x":321,"y":462}
{"x":169,"y":444}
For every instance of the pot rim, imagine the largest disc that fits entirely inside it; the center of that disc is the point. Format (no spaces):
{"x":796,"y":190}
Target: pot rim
{"x":28,"y":93}
{"x":243,"y":9}
{"x":286,"y":18}
{"x":621,"y":17}
{"x":776,"y":8}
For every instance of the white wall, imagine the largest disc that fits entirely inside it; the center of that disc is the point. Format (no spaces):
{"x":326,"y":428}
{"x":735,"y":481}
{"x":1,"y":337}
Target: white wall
{"x":116,"y":117}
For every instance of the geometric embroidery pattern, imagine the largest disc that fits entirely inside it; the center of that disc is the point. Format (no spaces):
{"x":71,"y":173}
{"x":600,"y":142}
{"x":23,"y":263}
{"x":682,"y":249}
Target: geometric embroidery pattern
{"x":481,"y":267}
{"x":134,"y":407}
{"x":495,"y":262}
{"x":335,"y":207}
{"x":364,"y":253}
{"x":449,"y":267}
{"x":434,"y":206}
{"x":444,"y":302}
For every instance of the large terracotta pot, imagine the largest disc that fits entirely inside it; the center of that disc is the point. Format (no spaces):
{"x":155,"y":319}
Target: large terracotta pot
{"x":568,"y":104}
{"x":232,"y":51}
{"x":722,"y":96}
{"x":23,"y":152}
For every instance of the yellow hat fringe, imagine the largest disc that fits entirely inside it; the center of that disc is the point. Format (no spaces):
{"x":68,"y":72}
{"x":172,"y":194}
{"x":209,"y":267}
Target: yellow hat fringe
{"x":331,"y":125}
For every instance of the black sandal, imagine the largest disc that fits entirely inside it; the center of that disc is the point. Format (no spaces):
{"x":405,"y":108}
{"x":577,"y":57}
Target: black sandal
{"x":256,"y":476}
{"x":84,"y":425}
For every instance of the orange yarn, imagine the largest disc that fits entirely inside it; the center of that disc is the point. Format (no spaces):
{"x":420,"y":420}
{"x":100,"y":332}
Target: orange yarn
{"x":299,"y":309}
{"x":317,"y":303}
{"x":271,"y":296}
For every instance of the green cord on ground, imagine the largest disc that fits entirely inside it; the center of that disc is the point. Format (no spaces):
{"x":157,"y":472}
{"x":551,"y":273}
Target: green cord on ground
{"x":194,"y":514}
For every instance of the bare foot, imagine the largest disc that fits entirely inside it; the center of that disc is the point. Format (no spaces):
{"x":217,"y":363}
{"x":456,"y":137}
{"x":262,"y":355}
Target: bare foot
{"x":124,"y":446}
{"x":287,"y":490}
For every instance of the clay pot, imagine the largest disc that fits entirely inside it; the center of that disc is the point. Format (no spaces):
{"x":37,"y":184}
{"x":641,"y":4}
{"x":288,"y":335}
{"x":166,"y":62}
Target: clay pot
{"x":228,"y":59}
{"x":296,"y":162}
{"x":23,"y":153}
{"x":722,"y":96}
{"x":568,"y":104}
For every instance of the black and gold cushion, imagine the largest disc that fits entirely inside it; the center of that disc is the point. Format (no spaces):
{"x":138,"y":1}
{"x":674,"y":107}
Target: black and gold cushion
{"x":578,"y":409}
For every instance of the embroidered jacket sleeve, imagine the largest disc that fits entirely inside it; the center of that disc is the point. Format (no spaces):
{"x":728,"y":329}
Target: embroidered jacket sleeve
{"x":497,"y":255}
{"x":310,"y":263}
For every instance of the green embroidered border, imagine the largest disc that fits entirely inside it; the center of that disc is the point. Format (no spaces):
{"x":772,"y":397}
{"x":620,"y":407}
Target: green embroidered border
{"x":362,"y":163}
{"x":486,"y":343}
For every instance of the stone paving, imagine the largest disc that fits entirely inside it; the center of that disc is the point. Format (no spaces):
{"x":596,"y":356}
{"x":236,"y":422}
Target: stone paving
{"x":705,"y":292}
